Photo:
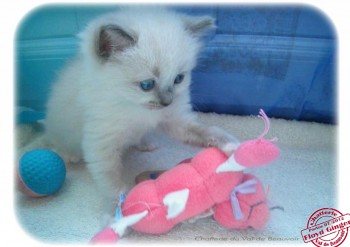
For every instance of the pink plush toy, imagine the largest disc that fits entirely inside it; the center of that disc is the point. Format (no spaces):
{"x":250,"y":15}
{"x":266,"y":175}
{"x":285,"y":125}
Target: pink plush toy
{"x":210,"y":180}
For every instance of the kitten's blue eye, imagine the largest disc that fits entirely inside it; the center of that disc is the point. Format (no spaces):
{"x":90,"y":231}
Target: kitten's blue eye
{"x":179,"y":78}
{"x":147,"y":85}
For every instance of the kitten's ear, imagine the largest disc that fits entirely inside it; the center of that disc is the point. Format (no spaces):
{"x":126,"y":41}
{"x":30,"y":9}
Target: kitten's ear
{"x":197,"y":26}
{"x":112,"y":39}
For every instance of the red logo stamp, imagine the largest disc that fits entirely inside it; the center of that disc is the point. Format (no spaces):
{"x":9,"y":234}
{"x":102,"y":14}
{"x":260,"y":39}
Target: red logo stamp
{"x":326,"y":227}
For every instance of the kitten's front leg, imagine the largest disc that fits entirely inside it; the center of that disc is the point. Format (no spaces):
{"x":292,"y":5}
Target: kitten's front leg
{"x":103,"y":157}
{"x":189,"y":130}
{"x":146,"y":145}
{"x":217,"y":137}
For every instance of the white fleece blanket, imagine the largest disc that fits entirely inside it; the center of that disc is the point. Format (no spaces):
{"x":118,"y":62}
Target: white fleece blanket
{"x":301,"y":181}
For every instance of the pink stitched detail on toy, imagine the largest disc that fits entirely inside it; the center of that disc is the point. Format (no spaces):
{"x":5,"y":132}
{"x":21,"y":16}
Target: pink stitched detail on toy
{"x":149,"y":206}
{"x":264,"y":117}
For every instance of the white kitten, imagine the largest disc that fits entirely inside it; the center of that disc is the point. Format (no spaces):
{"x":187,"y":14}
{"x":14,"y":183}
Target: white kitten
{"x":132,"y":75}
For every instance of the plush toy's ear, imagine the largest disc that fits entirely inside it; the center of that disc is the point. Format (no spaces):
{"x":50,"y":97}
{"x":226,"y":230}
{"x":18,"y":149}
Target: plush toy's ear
{"x":230,"y":165}
{"x":122,"y":224}
{"x":198,"y":26}
{"x":112,"y":39}
{"x":176,"y":202}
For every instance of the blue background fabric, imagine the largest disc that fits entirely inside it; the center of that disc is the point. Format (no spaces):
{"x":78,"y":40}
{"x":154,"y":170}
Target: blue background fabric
{"x":279,"y":58}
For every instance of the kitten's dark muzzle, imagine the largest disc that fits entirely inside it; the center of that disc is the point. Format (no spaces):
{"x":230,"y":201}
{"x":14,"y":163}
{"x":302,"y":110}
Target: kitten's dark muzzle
{"x":166,"y":96}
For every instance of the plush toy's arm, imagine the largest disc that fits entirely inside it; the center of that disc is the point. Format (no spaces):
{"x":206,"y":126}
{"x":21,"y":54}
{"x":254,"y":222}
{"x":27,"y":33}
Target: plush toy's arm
{"x":247,"y":207}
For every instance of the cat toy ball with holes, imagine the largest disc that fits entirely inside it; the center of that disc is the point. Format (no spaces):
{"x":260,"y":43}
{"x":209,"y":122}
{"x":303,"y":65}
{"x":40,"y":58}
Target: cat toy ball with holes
{"x":210,"y":180}
{"x":40,"y":172}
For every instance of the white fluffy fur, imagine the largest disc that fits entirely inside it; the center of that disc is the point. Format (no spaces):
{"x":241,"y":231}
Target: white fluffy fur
{"x":97,"y":107}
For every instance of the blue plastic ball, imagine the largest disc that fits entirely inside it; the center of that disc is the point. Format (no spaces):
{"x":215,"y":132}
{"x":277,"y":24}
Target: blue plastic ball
{"x":42,"y":171}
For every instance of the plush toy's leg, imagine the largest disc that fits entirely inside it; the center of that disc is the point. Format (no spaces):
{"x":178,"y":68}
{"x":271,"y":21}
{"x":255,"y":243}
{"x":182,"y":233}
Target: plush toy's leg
{"x":116,"y":230}
{"x":252,"y":209}
{"x":106,"y":236}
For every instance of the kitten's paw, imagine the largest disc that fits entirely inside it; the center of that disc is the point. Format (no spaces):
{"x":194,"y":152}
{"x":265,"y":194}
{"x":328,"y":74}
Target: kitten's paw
{"x":71,"y":158}
{"x":229,"y":148}
{"x":110,"y":196}
{"x":223,"y":140}
{"x":147,"y":147}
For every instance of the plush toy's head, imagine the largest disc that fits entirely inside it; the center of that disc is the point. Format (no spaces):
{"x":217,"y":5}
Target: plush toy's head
{"x":257,"y":152}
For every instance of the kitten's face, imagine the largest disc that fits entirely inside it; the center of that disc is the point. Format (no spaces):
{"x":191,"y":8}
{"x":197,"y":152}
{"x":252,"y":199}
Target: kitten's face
{"x":157,"y":72}
{"x":149,"y":60}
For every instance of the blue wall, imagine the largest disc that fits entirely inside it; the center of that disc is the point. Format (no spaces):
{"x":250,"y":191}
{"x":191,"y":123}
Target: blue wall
{"x":279,"y":58}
